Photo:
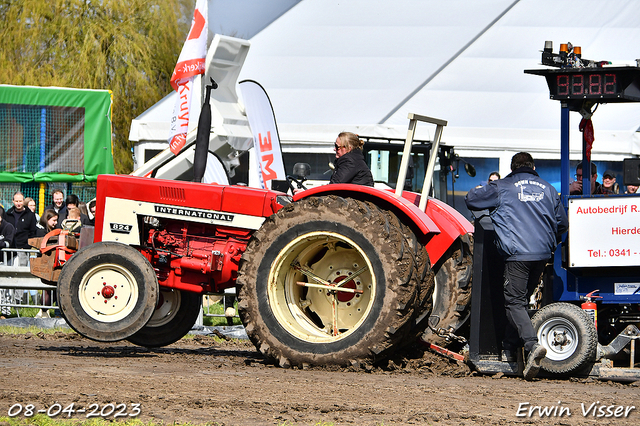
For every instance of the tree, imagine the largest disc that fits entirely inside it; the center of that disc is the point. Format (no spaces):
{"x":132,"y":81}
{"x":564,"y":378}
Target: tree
{"x":127,"y":46}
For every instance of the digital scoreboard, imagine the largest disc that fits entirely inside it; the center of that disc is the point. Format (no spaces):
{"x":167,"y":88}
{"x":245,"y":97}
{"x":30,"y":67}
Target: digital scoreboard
{"x":598,"y":84}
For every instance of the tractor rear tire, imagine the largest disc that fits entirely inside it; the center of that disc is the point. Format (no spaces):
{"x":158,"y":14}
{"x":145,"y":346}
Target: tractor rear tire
{"x":174,"y":316}
{"x":452,"y":293}
{"x":107,"y":291}
{"x":332,"y":239}
{"x":569,"y":335}
{"x":424,"y":276}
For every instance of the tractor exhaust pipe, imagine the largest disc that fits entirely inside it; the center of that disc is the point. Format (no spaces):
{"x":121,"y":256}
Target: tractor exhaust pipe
{"x":202,"y":137}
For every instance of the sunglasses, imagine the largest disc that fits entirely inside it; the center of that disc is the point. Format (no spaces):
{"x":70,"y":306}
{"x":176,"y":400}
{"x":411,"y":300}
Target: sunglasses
{"x":337,"y":146}
{"x":578,"y":176}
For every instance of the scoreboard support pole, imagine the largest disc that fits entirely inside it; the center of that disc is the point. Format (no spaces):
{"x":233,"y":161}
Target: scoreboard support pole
{"x":564,"y":153}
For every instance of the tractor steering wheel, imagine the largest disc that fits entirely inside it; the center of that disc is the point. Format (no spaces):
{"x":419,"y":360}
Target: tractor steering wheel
{"x":299,"y":181}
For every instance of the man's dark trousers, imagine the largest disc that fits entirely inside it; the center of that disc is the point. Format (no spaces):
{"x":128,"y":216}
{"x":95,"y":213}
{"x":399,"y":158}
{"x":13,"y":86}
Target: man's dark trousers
{"x":520,"y":279}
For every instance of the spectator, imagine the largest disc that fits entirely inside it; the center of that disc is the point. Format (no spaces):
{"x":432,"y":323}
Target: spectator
{"x":528,"y":219}
{"x":83,"y":208}
{"x":492,"y":176}
{"x":609,"y":185}
{"x":575,"y":188}
{"x":31,"y":204}
{"x":73,"y":221}
{"x":7,"y":232}
{"x":58,"y":201}
{"x":47,"y":222}
{"x":631,"y":189}
{"x":84,"y":215}
{"x":24,"y":221}
{"x":6,"y":237}
{"x":72,"y":201}
{"x":92,"y":212}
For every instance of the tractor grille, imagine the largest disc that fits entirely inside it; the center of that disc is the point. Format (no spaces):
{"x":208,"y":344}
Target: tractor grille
{"x":168,"y":193}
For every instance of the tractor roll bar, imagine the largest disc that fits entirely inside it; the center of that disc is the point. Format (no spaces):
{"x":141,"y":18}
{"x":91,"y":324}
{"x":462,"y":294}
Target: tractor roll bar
{"x":404,"y":164}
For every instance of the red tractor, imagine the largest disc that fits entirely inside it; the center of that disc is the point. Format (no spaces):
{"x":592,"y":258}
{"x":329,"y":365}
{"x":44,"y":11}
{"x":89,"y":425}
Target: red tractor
{"x":338,"y":274}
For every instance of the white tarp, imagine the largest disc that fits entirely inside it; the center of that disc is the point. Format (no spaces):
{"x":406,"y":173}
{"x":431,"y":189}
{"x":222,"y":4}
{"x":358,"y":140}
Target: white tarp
{"x":367,"y":62}
{"x":363,"y":65}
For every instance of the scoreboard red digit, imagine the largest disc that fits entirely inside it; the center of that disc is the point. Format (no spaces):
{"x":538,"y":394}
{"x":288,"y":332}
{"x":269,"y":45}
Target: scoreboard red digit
{"x":600,"y":84}
{"x":586,"y":84}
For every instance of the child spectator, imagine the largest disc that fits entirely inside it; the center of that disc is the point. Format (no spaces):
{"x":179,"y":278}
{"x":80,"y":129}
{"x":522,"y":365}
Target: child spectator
{"x":72,"y":223}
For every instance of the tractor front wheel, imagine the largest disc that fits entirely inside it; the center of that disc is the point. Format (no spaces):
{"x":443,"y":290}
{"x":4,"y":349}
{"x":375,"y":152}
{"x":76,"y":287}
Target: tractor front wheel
{"x":107,"y":291}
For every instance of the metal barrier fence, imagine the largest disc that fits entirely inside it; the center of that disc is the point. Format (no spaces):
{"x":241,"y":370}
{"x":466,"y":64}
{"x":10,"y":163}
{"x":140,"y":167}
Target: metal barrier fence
{"x":227,"y":300}
{"x":18,"y":288}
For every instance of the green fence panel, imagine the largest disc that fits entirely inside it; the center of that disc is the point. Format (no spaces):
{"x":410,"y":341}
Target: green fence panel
{"x":52,"y":134}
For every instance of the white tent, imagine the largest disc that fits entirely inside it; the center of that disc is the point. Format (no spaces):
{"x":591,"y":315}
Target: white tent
{"x":371,"y":62}
{"x":363,"y":65}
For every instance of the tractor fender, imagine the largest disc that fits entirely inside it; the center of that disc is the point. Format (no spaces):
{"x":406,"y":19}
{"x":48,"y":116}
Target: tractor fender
{"x":438,"y":228}
{"x":452,"y":225}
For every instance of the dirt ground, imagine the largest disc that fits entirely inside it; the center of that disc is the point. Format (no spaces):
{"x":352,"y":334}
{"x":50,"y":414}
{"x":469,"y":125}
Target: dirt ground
{"x":206,"y":380}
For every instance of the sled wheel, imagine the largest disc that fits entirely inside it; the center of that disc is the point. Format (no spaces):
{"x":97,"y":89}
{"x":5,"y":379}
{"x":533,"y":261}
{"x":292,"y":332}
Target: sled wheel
{"x":452,"y":293}
{"x":174,"y":316}
{"x":107,"y":291}
{"x":291,"y":267}
{"x":569,"y":336}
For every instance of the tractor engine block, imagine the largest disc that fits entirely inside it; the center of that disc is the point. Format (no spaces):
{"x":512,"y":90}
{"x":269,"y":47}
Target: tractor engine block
{"x":194,"y":256}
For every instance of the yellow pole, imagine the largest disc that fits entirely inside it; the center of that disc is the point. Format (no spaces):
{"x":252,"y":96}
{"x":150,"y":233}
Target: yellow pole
{"x":41,"y":198}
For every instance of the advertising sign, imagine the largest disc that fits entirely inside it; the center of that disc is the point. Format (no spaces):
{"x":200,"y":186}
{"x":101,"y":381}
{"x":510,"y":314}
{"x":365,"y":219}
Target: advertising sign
{"x":604,"y":231}
{"x":190,"y":63}
{"x":266,"y":140}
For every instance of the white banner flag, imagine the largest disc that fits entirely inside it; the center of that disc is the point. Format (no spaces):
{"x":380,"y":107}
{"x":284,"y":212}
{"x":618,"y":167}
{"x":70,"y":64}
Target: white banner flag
{"x":190,"y":63}
{"x":266,"y":141}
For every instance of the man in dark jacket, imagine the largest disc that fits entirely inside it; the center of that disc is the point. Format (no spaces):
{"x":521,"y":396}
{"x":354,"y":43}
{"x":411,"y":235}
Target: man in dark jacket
{"x":23,"y":220}
{"x":7,"y":232}
{"x":528,"y":218}
{"x":576,"y":186}
{"x":6,"y":238}
{"x":58,"y":202}
{"x":72,"y":201}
